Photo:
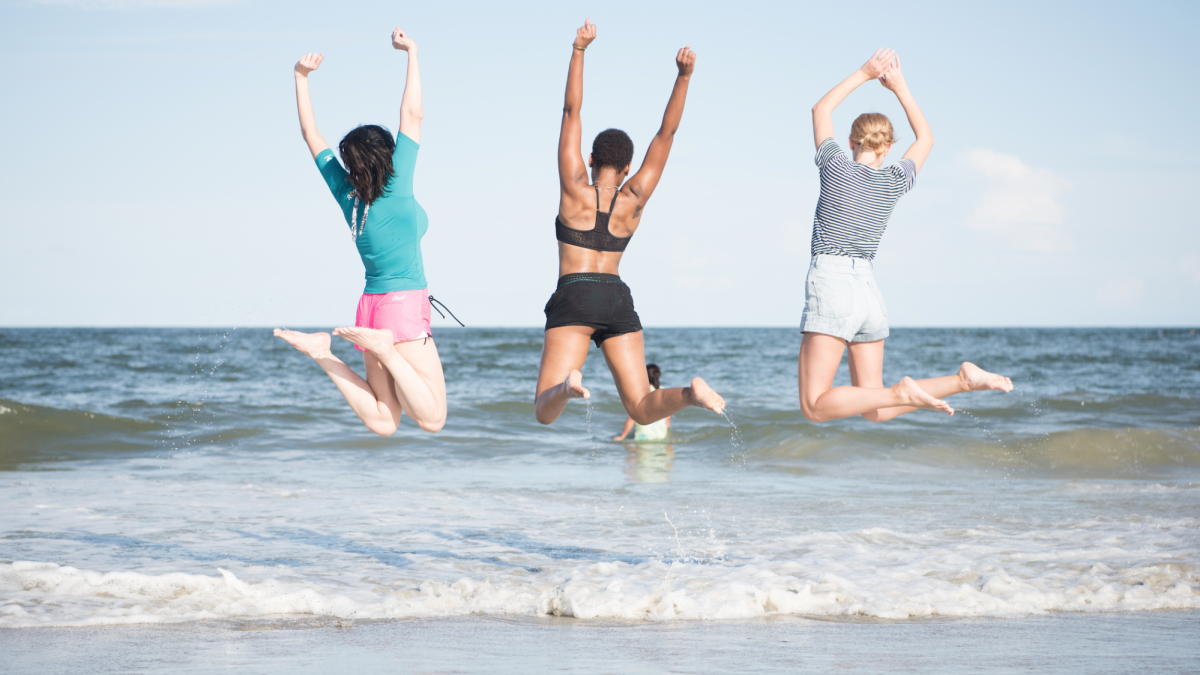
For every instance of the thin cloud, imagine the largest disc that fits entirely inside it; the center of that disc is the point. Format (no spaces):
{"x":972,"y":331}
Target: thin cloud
{"x":1120,"y":293}
{"x":1018,"y":202}
{"x":137,"y":4}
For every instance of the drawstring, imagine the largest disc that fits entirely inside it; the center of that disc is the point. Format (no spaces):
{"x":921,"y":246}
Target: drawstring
{"x":439,"y":311}
{"x":354,"y":217}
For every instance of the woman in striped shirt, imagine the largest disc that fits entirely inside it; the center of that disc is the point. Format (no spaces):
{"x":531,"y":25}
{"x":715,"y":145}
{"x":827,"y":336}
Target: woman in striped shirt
{"x":843,"y":305}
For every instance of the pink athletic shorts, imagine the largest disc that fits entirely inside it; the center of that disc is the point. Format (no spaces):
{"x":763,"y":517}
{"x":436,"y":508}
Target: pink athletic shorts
{"x":405,"y":312}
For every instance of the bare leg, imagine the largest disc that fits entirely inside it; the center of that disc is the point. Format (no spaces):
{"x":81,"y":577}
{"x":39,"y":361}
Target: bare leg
{"x":626,"y":357}
{"x":866,"y":370}
{"x":559,"y":380}
{"x":415,"y":369}
{"x":373,"y":399}
{"x":820,"y":401}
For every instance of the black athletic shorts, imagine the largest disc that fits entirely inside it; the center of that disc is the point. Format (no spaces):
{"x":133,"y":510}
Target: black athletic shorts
{"x":601,"y":301}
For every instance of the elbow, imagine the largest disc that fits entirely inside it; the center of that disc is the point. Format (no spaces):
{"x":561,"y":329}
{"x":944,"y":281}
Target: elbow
{"x":415,"y":115}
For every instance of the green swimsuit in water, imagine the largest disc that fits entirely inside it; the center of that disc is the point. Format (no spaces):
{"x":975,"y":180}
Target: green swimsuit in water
{"x":389,"y":240}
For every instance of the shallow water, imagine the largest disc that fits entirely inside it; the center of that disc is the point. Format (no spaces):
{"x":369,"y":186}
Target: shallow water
{"x":177,"y":475}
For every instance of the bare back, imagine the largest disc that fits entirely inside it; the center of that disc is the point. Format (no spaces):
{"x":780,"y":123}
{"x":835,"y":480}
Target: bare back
{"x":578,"y":212}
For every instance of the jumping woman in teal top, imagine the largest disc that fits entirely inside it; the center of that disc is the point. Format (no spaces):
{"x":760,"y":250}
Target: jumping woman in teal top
{"x":375,"y":193}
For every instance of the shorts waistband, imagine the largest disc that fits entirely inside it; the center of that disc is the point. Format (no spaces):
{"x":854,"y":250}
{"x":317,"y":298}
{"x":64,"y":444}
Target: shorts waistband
{"x":589,"y":276}
{"x":841,"y":263}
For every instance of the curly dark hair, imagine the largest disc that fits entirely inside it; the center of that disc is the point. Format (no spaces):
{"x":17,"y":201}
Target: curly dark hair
{"x":367,"y":151}
{"x":613,"y":148}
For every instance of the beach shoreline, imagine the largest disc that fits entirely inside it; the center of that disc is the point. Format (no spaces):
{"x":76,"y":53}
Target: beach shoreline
{"x":1162,"y":641}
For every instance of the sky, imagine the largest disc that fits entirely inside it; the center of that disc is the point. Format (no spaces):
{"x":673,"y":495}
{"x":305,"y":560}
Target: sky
{"x":156,"y":175}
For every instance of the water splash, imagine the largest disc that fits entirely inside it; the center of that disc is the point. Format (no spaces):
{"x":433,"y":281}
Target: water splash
{"x":735,"y":440}
{"x":591,"y":437}
{"x":678,"y":544}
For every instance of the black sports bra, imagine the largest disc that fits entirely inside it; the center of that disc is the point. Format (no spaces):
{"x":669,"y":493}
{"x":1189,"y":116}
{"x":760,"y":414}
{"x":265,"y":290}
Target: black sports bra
{"x":597,"y":238}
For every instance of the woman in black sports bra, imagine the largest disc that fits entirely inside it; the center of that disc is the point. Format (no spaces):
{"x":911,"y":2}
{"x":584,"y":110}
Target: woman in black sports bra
{"x":592,"y":303}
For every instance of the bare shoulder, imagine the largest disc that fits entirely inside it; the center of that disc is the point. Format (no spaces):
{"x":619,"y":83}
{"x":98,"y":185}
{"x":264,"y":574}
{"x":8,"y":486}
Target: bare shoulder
{"x":626,"y":213}
{"x":577,"y":206}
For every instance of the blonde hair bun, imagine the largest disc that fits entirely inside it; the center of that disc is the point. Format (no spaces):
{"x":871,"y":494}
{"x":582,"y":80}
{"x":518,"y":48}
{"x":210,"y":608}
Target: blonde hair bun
{"x":873,"y":131}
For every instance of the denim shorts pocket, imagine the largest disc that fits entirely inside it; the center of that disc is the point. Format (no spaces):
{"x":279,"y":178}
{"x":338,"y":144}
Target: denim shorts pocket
{"x":834,"y":295}
{"x":878,"y":296}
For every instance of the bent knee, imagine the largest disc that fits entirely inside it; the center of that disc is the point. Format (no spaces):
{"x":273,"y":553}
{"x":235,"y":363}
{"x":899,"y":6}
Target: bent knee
{"x":643,"y":420}
{"x":432,"y":427}
{"x":812,"y":415}
{"x":383,"y":429}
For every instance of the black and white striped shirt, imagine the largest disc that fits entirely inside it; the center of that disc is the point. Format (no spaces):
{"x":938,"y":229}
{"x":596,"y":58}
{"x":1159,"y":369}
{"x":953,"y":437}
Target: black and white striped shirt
{"x":856,"y":202}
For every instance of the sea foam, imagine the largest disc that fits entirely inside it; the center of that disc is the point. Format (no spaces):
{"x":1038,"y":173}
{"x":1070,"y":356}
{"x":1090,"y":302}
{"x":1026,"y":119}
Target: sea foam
{"x":46,"y":594}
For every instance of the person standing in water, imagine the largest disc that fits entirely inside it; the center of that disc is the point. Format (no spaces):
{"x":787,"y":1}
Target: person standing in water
{"x":375,"y":192}
{"x":842,"y":302}
{"x":656,"y":431}
{"x":591,"y":302}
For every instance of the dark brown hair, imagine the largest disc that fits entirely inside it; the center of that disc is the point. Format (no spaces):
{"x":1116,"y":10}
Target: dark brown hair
{"x":653,"y":373}
{"x":367,"y":151}
{"x":613,"y":148}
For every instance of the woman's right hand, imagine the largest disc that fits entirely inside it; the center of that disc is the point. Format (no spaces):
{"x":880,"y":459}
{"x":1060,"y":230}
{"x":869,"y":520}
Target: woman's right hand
{"x":585,"y":34}
{"x":403,"y":42}
{"x":893,"y":77}
{"x":685,"y":61}
{"x":309,"y":63}
{"x":878,"y":64}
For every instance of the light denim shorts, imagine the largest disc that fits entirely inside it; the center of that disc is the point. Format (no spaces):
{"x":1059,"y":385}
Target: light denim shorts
{"x":842,"y":299}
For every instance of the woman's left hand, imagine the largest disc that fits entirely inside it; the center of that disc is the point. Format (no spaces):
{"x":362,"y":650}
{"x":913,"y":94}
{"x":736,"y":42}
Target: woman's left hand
{"x":403,"y":42}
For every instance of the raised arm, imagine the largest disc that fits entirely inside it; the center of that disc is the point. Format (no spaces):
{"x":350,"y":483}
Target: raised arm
{"x":646,"y":179}
{"x":919,"y":150}
{"x":410,"y":106}
{"x":308,"y":123}
{"x":823,"y":111}
{"x":571,"y":169}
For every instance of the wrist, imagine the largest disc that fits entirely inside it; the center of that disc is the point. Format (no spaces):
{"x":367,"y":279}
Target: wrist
{"x":299,"y":75}
{"x":578,"y":47}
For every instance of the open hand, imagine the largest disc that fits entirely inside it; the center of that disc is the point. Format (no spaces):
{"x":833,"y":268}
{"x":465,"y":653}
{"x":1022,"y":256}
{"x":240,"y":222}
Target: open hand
{"x":686,"y":61}
{"x":309,"y":63}
{"x":893,"y":78}
{"x":878,"y":64}
{"x":619,"y":438}
{"x":585,"y":34}
{"x":403,"y":42}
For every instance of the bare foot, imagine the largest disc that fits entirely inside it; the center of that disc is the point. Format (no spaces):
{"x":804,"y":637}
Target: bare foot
{"x":573,"y":385}
{"x":977,"y":379}
{"x":315,"y":345}
{"x":378,"y":341}
{"x":912,"y":394}
{"x":704,"y":397}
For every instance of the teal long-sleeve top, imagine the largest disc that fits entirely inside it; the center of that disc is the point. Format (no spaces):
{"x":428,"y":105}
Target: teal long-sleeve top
{"x":390,"y":243}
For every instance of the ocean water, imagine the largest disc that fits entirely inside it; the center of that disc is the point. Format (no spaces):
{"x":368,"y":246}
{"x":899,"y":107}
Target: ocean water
{"x":172,"y":476}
